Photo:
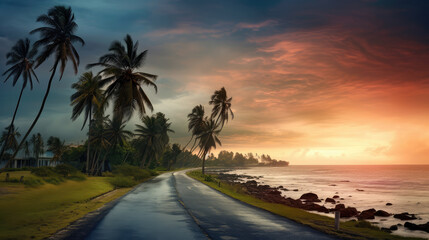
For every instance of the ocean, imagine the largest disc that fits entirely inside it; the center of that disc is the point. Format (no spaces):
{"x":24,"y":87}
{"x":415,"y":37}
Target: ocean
{"x":362,"y":187}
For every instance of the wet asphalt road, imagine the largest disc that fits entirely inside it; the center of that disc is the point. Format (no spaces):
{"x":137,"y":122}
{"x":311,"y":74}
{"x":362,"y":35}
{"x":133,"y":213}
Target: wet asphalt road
{"x":153,"y":211}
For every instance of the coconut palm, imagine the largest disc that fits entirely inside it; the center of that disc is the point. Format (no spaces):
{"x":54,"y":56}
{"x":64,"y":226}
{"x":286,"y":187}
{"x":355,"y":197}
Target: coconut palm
{"x":221,"y":107}
{"x":57,"y":39}
{"x":38,"y":146}
{"x":120,"y":69}
{"x":153,"y":137}
{"x":21,"y":58}
{"x":88,"y":98}
{"x":57,"y":147}
{"x":195,"y":122}
{"x":10,"y":138}
{"x":99,"y":139}
{"x":175,"y":152}
{"x":116,"y":132}
{"x":208,"y":138}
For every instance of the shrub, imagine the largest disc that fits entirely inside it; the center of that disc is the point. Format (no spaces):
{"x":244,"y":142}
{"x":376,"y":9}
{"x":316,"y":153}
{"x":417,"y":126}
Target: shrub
{"x":208,"y":178}
{"x":77,"y":176}
{"x":33,"y":182}
{"x":137,"y":173}
{"x":107,"y":174}
{"x":65,"y":169}
{"x":44,"y":172}
{"x":122,"y":181}
{"x":54,"y":180}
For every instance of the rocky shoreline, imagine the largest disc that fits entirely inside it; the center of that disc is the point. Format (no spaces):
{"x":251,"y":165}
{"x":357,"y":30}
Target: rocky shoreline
{"x":311,"y":202}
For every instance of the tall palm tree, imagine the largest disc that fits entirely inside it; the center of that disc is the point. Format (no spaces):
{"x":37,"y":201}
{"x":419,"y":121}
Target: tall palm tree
{"x":57,"y":39}
{"x":88,"y":98}
{"x":99,"y":139}
{"x":21,"y":58}
{"x":120,"y":69}
{"x":196,"y":122}
{"x":57,"y":147}
{"x":208,"y":139}
{"x":221,"y":107}
{"x":38,"y":146}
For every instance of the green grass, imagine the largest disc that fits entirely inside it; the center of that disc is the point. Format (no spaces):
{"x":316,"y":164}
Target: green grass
{"x":38,"y":212}
{"x":348,"y":230}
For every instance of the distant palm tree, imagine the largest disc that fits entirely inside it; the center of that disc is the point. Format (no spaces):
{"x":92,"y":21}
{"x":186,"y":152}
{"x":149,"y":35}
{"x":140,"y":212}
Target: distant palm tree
{"x":175,"y":152}
{"x":26,"y":149}
{"x":116,"y":135}
{"x":38,"y":146}
{"x":208,"y":138}
{"x":120,"y":67}
{"x":153,"y":136}
{"x":21,"y":58}
{"x":99,"y":139}
{"x":10,"y":138}
{"x":57,"y":38}
{"x":57,"y":147}
{"x":195,"y":122}
{"x":88,"y":98}
{"x":221,"y":107}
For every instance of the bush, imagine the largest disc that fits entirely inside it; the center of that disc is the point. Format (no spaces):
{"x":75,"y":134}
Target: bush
{"x":65,"y":169}
{"x":122,"y":181}
{"x":33,"y":182}
{"x":77,"y":176}
{"x":208,"y":178}
{"x":54,"y":180}
{"x":137,"y":173}
{"x":107,"y":174}
{"x":44,"y":172}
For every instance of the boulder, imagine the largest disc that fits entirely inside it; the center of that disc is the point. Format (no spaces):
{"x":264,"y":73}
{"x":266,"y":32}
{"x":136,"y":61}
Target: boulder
{"x":421,"y":227}
{"x":348,"y":212}
{"x":367,"y":214}
{"x":339,"y":206}
{"x":393,"y":228}
{"x":405,"y":216}
{"x":381,"y":213}
{"x":310,"y":197}
{"x":389,"y":204}
{"x":330,"y":200}
{"x":335,"y":197}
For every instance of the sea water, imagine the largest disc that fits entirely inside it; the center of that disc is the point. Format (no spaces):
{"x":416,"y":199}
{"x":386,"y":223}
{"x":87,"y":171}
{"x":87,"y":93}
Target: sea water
{"x":362,"y":187}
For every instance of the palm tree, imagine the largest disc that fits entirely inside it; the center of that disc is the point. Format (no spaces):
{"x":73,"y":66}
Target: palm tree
{"x":196,"y":122}
{"x":89,"y":98}
{"x":221,"y":106}
{"x":153,"y":136}
{"x":116,"y":135}
{"x":100,"y":140}
{"x":21,"y":58}
{"x":57,"y":147}
{"x":10,"y":138}
{"x":120,"y":71}
{"x":208,"y":138}
{"x":175,"y":152}
{"x":57,"y":39}
{"x":38,"y":146}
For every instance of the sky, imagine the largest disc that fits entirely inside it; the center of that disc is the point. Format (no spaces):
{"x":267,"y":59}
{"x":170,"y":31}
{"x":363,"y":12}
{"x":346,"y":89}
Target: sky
{"x":312,"y":82}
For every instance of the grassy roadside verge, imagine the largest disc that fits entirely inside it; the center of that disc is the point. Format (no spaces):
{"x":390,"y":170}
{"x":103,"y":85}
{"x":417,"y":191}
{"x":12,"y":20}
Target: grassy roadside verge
{"x":348,"y":230}
{"x":38,"y":212}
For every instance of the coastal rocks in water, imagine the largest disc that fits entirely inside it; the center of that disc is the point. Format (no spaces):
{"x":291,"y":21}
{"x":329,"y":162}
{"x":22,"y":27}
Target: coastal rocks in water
{"x":381,"y":213}
{"x":367,"y":214}
{"x":421,"y":227}
{"x":348,"y":212}
{"x":315,"y":207}
{"x":339,"y":207}
{"x":393,"y":228}
{"x":405,"y":216}
{"x":330,"y":200}
{"x":310,"y":197}
{"x":389,"y":204}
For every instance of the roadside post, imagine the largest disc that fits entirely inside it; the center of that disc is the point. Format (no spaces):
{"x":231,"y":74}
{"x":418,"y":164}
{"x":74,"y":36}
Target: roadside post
{"x":337,"y":220}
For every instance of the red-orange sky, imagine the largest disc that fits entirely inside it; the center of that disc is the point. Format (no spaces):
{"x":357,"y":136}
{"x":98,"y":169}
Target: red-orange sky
{"x":314,"y":82}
